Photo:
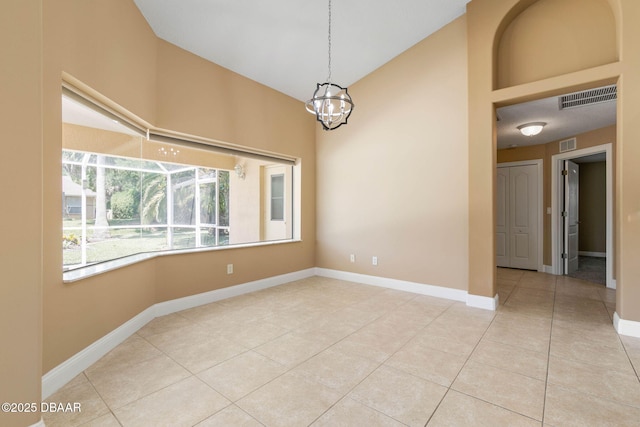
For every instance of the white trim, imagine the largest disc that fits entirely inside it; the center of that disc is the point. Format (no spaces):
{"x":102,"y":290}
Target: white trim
{"x":477,"y":301}
{"x":626,"y":327}
{"x":556,"y":194}
{"x":548,"y":269}
{"x":486,"y":303}
{"x":67,"y":370}
{"x":541,"y":209}
{"x":593,"y":254}
{"x":80,"y":273}
{"x":173,"y":306}
{"x":38,"y":424}
{"x":400,"y":285}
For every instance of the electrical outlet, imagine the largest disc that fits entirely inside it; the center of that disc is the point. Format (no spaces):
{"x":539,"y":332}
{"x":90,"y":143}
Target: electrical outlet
{"x":229,"y":268}
{"x":352,"y":257}
{"x":374,"y":260}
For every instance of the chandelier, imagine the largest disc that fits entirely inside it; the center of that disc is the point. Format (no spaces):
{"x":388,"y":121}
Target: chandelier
{"x":331,"y":103}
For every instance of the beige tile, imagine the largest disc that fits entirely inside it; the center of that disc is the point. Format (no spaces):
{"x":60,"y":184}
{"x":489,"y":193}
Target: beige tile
{"x":427,"y":363}
{"x":450,"y":339}
{"x":371,"y":344}
{"x":107,"y":420}
{"x":206,"y":312}
{"x":81,"y":391}
{"x":384,"y":301}
{"x":239,"y":376}
{"x":295,"y":316}
{"x":404,"y":397}
{"x":254,"y":334}
{"x":289,"y":400}
{"x":632,"y":347}
{"x":349,"y":413}
{"x":182,"y":404}
{"x":231,"y":416}
{"x":458,"y":409}
{"x":577,"y":288}
{"x":532,"y":280}
{"x":121,"y":385}
{"x":340,"y":323}
{"x":570,"y":408}
{"x":509,"y":273}
{"x":170,"y":322}
{"x":516,"y":392}
{"x":338,"y":371}
{"x":134,"y":349}
{"x":200,"y":350}
{"x":459,"y":313}
{"x":294,"y":348}
{"x":567,"y":344}
{"x":504,"y":291}
{"x":423,"y":309}
{"x":524,"y":335}
{"x":513,"y":359}
{"x":595,"y":380}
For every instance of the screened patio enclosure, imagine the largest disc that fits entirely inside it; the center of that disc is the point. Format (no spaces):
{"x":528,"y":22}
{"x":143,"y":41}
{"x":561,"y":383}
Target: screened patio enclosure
{"x":141,"y":206}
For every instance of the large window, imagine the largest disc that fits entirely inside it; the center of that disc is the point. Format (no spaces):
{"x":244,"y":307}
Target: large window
{"x":125,"y":194}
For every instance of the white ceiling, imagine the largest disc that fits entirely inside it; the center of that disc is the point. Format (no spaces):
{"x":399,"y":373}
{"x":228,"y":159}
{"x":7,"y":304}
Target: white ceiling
{"x":560,"y":123}
{"x":283,"y":44}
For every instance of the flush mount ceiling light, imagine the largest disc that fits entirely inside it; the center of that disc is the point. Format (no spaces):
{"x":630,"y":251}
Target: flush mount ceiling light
{"x":331,"y":103}
{"x":531,"y":129}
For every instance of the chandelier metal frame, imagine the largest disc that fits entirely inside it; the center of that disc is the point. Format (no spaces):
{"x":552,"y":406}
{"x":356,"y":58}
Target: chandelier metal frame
{"x":331,"y":103}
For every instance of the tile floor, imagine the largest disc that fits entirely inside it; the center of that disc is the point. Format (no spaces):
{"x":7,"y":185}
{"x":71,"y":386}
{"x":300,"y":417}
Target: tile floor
{"x":324,"y":352}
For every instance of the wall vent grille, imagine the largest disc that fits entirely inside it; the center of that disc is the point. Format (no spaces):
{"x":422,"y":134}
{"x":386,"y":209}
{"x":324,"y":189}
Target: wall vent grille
{"x":588,"y":97}
{"x":568,"y":145}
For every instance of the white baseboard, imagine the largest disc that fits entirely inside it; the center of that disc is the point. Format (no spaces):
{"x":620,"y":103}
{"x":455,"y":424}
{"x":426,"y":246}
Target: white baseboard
{"x":400,"y":285}
{"x":477,"y":301}
{"x":76,"y":364}
{"x":172,"y":306}
{"x":67,"y":370}
{"x":593,"y":254}
{"x":486,"y":303}
{"x":547,"y":269}
{"x":626,"y":327}
{"x":38,"y":424}
{"x":613,"y":285}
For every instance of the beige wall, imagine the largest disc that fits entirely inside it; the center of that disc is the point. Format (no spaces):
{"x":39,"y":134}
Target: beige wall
{"x":592,"y":207}
{"x":581,"y":32}
{"x":593,"y":138}
{"x":487,"y":20}
{"x":157,"y":83}
{"x":393,"y":182}
{"x":421,"y":164}
{"x":21,"y":229}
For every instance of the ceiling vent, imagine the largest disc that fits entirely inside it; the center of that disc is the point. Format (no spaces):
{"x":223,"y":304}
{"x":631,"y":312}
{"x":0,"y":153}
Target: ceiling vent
{"x":588,"y":97}
{"x":567,"y":145}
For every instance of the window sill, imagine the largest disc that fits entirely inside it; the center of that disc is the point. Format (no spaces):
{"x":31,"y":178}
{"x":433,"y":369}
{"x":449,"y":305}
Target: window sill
{"x":103,"y":267}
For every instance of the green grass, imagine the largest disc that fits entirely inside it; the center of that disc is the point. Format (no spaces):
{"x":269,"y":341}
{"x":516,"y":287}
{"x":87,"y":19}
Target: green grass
{"x":124,"y":242}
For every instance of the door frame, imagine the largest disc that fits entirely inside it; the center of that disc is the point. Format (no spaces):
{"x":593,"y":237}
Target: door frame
{"x":557,"y":186}
{"x":540,"y":235}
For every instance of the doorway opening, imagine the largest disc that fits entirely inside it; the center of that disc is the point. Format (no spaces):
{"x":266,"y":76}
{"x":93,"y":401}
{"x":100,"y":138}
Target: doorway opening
{"x":566,"y":218}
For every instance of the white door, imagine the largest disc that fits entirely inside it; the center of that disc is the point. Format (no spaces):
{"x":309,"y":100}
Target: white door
{"x":570,"y":214}
{"x":502,"y":217}
{"x":517,"y":217}
{"x":277,"y":203}
{"x":523,"y":217}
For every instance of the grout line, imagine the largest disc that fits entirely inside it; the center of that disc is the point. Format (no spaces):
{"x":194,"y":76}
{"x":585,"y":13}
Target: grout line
{"x":546,"y":382}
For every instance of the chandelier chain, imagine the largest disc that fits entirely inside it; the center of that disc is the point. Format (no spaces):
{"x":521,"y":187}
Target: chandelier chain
{"x":329,"y":39}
